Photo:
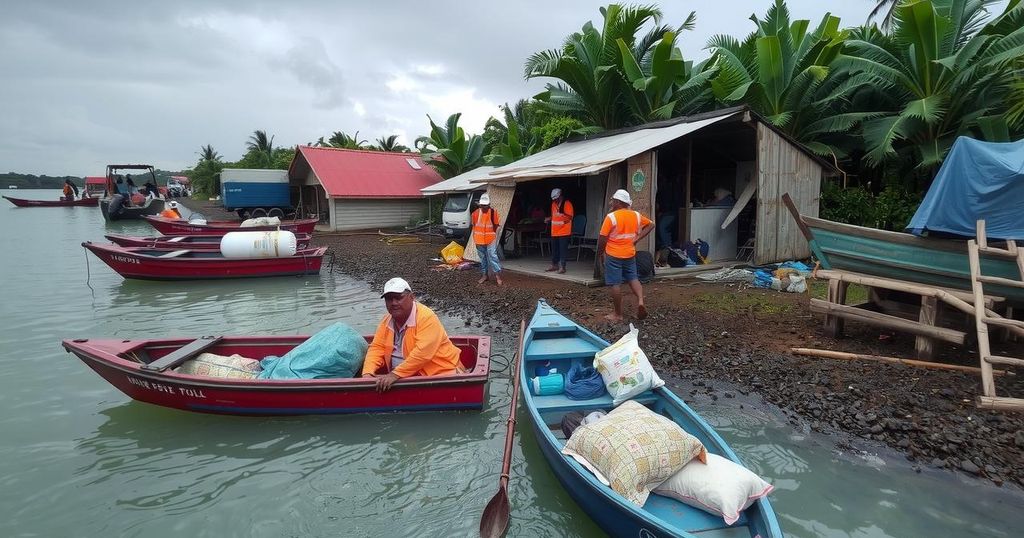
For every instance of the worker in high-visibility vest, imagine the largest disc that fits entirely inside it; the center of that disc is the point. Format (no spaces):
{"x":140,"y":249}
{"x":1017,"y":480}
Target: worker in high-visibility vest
{"x":485,"y":234}
{"x":620,"y":232}
{"x":561,"y":217}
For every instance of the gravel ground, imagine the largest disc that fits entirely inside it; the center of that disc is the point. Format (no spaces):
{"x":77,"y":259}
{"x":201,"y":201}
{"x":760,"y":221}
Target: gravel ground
{"x":708,"y":333}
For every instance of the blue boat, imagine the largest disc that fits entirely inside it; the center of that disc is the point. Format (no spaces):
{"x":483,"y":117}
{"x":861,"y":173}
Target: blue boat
{"x":553,"y":338}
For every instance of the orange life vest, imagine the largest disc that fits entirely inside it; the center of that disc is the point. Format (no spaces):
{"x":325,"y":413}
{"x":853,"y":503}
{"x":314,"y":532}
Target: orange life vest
{"x":622,"y":228}
{"x":170,"y":213}
{"x":485,"y":227}
{"x":561,"y":220}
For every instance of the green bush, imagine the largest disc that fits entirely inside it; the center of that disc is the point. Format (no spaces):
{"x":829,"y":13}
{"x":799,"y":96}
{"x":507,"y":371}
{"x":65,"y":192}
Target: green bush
{"x":890,"y":209}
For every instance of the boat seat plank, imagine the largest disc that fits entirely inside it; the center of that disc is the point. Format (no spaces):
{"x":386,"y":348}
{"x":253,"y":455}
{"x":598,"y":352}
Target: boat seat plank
{"x":560,"y":348}
{"x":175,"y":253}
{"x":561,"y":403}
{"x":182,"y":354}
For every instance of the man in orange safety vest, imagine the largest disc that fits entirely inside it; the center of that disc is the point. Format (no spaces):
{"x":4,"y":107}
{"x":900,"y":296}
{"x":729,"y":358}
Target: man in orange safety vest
{"x":485,"y":235}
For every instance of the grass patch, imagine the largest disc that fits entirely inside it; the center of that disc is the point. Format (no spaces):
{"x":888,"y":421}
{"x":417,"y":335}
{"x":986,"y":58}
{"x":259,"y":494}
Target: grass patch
{"x":855,"y":293}
{"x":745,"y":301}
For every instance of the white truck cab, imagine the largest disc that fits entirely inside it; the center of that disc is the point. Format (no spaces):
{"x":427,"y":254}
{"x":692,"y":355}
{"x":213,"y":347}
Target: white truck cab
{"x":458,"y":206}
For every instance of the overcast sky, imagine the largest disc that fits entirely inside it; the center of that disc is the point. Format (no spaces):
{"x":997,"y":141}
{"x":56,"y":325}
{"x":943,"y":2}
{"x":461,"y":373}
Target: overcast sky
{"x":85,"y":84}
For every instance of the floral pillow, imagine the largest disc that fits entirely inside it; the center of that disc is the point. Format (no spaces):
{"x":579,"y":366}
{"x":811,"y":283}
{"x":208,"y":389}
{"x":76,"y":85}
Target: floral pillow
{"x":633,"y":449}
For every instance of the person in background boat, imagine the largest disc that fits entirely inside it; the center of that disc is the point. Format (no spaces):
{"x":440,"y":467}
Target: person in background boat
{"x":171,"y":211}
{"x":620,"y":232}
{"x":485,"y":234}
{"x":722,"y":198}
{"x":133,"y":191}
{"x":561,"y":217}
{"x":410,"y":340}
{"x":70,"y":191}
{"x":151,"y":190}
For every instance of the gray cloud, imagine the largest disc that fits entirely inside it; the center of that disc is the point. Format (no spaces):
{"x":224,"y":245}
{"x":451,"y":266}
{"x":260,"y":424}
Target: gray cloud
{"x":87,"y":83}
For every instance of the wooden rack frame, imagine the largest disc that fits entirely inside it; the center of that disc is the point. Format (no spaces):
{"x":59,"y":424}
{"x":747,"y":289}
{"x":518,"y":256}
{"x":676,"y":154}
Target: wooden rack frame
{"x":983,"y":318}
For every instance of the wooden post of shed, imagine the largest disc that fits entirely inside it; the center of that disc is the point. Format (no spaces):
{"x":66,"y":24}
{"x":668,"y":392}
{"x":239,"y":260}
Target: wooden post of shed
{"x":684,"y":217}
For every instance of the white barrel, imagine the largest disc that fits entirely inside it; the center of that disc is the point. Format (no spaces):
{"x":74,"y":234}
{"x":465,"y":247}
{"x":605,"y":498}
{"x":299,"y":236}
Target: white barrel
{"x":275,"y":244}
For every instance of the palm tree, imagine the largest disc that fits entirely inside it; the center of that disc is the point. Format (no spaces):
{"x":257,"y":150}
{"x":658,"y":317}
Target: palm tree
{"x":207,"y":153}
{"x":448,"y":150}
{"x":390,"y":143}
{"x":590,"y":86}
{"x":260,"y":148}
{"x":889,"y":7}
{"x":340,"y":139}
{"x":941,"y":73}
{"x":785,"y":73}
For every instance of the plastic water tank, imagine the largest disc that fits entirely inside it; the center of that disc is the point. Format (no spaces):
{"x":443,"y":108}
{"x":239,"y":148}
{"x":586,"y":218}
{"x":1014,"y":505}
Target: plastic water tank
{"x":275,"y":244}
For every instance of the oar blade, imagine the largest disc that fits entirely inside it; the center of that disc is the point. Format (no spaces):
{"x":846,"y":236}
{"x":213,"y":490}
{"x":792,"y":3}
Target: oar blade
{"x":494,"y":522}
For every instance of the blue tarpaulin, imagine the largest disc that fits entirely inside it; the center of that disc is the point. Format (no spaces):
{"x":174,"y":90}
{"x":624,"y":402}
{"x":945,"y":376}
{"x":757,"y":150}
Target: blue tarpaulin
{"x":978,"y":180}
{"x":336,"y":351}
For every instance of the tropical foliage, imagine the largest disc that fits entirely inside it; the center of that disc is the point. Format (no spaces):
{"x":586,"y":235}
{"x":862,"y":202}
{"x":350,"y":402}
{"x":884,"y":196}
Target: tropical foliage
{"x":390,"y":143}
{"x":449,"y":150}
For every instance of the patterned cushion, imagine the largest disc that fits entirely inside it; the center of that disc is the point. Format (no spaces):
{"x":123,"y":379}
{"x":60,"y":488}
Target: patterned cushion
{"x":633,"y":450}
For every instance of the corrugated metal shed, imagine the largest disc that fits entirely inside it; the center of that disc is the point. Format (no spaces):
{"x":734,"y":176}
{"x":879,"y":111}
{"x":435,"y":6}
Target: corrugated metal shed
{"x":461,"y":182}
{"x":586,"y":157}
{"x":350,"y":173}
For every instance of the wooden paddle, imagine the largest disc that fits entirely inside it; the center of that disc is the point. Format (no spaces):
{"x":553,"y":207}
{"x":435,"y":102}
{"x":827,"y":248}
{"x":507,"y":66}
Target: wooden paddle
{"x":494,"y":521}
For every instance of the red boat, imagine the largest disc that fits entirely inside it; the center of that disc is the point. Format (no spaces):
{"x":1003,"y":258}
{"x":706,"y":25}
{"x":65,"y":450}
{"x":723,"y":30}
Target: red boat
{"x":144,"y":370}
{"x":168,"y":226}
{"x":192,"y":242}
{"x":169,"y":264}
{"x":85,"y":202}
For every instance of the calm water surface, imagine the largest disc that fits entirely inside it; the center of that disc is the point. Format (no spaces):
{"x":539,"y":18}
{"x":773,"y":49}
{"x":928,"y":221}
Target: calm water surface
{"x":78,"y":458}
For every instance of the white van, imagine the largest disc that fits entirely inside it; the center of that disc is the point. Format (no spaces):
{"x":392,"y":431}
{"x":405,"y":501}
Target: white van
{"x":458,"y":206}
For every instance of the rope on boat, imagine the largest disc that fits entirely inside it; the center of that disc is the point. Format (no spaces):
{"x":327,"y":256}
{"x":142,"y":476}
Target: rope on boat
{"x":88,"y":276}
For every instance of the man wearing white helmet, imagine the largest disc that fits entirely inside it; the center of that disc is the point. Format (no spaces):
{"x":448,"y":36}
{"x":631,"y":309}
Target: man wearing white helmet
{"x":485,"y":234}
{"x":620,"y":232}
{"x":410,"y":340}
{"x":561,"y":217}
{"x":171,"y":211}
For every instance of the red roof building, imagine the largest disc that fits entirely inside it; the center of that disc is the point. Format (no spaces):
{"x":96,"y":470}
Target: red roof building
{"x":360,"y":189}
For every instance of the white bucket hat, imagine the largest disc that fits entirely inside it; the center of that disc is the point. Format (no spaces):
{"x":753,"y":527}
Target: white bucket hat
{"x":555,"y":193}
{"x":622,"y":195}
{"x":485,"y":199}
{"x":395,"y":285}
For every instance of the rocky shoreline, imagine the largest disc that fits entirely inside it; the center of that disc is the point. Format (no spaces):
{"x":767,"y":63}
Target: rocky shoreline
{"x":926,"y":414}
{"x":712,"y":335}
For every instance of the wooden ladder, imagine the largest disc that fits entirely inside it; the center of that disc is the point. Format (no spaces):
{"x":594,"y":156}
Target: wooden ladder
{"x":983,"y":317}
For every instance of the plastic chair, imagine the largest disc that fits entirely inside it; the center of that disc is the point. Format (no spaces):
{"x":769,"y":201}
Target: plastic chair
{"x":576,"y":239}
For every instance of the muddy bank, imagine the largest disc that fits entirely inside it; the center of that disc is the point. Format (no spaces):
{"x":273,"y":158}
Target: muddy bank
{"x":707,"y":333}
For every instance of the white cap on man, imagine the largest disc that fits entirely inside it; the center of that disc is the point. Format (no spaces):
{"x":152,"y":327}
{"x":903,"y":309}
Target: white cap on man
{"x":173,"y":204}
{"x":555,"y":193}
{"x":485,"y":199}
{"x":395,"y":285}
{"x":622,"y":195}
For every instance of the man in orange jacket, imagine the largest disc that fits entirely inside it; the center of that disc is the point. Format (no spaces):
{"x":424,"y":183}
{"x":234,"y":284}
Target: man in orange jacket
{"x":620,"y":232}
{"x":561,"y":217}
{"x":485,"y":234}
{"x":409,"y":341}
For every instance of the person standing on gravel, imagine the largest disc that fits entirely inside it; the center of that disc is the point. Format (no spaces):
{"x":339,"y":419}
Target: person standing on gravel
{"x":485,"y":235}
{"x":620,"y":232}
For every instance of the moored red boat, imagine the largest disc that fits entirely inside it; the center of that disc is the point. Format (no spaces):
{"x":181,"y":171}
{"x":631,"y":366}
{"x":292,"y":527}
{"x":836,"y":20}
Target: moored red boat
{"x":145,"y":371}
{"x":192,"y":242}
{"x":184,"y":264}
{"x":84,"y":202}
{"x":168,"y":226}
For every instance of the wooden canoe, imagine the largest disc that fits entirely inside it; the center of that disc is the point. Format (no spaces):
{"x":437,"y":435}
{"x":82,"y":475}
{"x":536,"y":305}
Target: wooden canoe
{"x":901,"y":256}
{"x":220,"y":227}
{"x":192,"y":242}
{"x":183,"y":264}
{"x":144,"y":371}
{"x":81,"y":202}
{"x":553,"y":338}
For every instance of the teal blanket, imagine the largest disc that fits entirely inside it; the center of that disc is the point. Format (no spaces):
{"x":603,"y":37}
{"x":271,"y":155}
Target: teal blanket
{"x":336,"y":351}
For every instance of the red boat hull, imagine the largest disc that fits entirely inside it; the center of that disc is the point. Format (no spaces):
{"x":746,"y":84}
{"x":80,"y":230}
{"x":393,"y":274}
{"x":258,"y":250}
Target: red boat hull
{"x":220,"y":227}
{"x":193,"y":242}
{"x":149,"y":264}
{"x":113,"y":360}
{"x":83,"y":202}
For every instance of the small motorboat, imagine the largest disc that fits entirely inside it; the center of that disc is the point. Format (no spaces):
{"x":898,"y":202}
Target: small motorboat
{"x":147,"y":263}
{"x":192,"y":242}
{"x":117,"y":203}
{"x":555,"y":341}
{"x":168,"y":226}
{"x":84,"y":202}
{"x":145,"y":371}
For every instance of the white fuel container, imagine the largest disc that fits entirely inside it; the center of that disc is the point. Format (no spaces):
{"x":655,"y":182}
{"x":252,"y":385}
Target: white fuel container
{"x":274,"y":244}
